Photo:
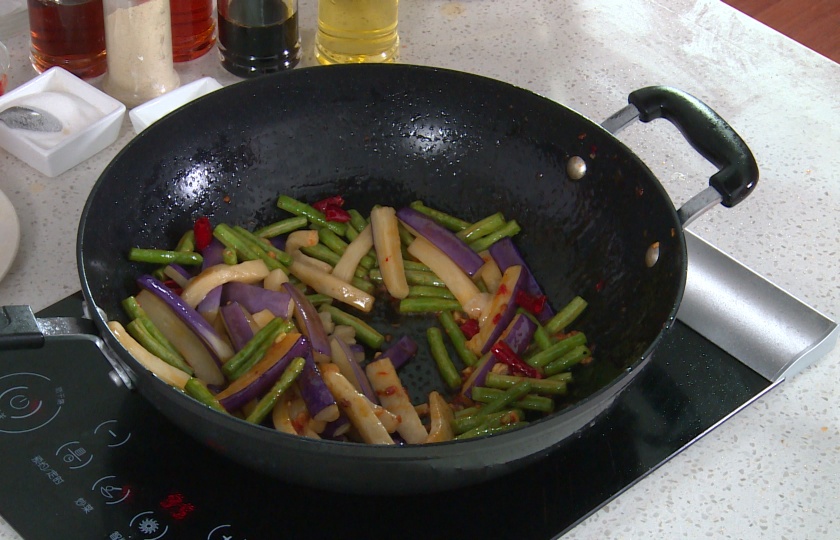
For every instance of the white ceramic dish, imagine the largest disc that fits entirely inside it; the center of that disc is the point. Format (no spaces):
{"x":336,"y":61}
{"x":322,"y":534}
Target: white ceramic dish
{"x":150,"y":112}
{"x":9,"y":234}
{"x":91,"y":117}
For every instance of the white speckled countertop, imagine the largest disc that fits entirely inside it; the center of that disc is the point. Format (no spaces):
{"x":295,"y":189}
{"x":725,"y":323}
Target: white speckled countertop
{"x":773,"y":470}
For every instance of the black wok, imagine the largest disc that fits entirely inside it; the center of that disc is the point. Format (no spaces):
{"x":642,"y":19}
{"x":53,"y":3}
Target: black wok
{"x":390,"y":135}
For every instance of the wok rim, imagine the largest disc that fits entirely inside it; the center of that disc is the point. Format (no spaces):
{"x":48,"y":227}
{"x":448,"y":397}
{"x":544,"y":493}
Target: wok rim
{"x":415,"y":452}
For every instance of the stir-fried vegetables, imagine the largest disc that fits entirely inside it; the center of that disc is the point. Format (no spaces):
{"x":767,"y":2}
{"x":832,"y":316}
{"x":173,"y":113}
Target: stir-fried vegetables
{"x":272,"y":325}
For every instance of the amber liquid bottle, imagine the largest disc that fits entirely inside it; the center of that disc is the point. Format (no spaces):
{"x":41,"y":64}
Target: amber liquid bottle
{"x":193,"y":28}
{"x":70,"y":34}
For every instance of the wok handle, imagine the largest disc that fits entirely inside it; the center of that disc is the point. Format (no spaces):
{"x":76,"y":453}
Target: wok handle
{"x":707,"y":133}
{"x":20,"y":329}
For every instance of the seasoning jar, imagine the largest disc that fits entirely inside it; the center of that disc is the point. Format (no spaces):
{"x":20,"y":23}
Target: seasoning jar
{"x":357,"y":31}
{"x":258,"y":36}
{"x":138,"y":38}
{"x":69,"y":34}
{"x":193,"y":28}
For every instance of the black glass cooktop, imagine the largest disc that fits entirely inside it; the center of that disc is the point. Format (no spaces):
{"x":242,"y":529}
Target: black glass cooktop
{"x":85,"y":458}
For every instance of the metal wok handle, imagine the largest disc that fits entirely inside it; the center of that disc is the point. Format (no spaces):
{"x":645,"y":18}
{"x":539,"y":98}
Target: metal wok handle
{"x":706,"y":132}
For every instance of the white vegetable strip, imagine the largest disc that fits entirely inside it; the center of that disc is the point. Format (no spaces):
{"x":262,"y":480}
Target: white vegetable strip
{"x":275,"y":279}
{"x":280,"y":415}
{"x":356,"y":407}
{"x":301,"y":239}
{"x":455,"y":279}
{"x":207,"y":280}
{"x":490,"y":272}
{"x":442,"y":417}
{"x":353,"y":254}
{"x":498,"y":305}
{"x":182,"y":338}
{"x":164,"y":371}
{"x":386,"y":238}
{"x":391,"y":393}
{"x":331,"y":286}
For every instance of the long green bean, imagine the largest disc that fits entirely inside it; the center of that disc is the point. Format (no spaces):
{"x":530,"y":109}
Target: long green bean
{"x":138,"y":331}
{"x":450,"y":222}
{"x":197,"y":389}
{"x":293,"y":206}
{"x":568,"y":360}
{"x":530,"y":402}
{"x":511,"y":228}
{"x":554,"y":387}
{"x":163,"y":256}
{"x":482,"y":228}
{"x":255,"y":349}
{"x":456,"y":336}
{"x":364,"y":332}
{"x":566,"y":316}
{"x":448,"y":371}
{"x":556,"y":350}
{"x":266,"y":403}
{"x":284,"y":226}
{"x":428,"y":305}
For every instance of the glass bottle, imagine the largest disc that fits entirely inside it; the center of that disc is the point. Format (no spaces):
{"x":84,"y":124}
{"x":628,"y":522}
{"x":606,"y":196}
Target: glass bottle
{"x":357,"y":31}
{"x":193,"y":28}
{"x":69,"y":34}
{"x":138,"y":37}
{"x":258,"y":36}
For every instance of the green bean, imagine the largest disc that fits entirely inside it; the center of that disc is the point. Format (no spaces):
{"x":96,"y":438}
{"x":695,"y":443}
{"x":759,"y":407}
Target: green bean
{"x":197,"y":389}
{"x":482,"y":228}
{"x":541,"y":338}
{"x":258,"y":242}
{"x":364,"y":332}
{"x":227,"y":236}
{"x":489,"y":430}
{"x":568,"y":360}
{"x":456,"y":336}
{"x":540,"y":386}
{"x":467,"y":423}
{"x":469,"y":411}
{"x":529,"y":402}
{"x":448,"y":371}
{"x":428,"y":291}
{"x":187,"y":242}
{"x":138,"y":331}
{"x":566,"y":316}
{"x":503,"y":399}
{"x":255,"y":245}
{"x":283,"y":226}
{"x":357,"y":220}
{"x":428,"y":305}
{"x":414,"y":265}
{"x":450,"y":222}
{"x":555,"y":351}
{"x":413,"y":277}
{"x":255,"y":349}
{"x":162,"y":256}
{"x":136,"y":312}
{"x":229,"y":256}
{"x":317,"y":299}
{"x":562,"y":376}
{"x":511,"y":228}
{"x":299,"y":208}
{"x":406,"y":238}
{"x":266,"y":403}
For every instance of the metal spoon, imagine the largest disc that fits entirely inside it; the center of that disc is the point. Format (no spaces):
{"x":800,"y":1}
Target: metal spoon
{"x":31,"y":119}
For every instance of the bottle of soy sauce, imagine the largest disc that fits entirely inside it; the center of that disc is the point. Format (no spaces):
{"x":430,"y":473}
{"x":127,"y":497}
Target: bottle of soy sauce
{"x":258,"y":36}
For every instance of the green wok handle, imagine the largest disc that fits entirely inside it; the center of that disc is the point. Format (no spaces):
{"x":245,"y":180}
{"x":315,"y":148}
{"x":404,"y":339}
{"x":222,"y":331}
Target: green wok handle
{"x":707,"y":133}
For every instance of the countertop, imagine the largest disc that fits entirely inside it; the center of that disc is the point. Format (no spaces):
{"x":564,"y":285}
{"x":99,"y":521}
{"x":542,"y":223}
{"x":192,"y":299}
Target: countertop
{"x":773,"y":470}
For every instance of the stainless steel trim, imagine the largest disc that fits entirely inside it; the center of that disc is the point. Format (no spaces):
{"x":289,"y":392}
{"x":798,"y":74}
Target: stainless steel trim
{"x":763,"y":326}
{"x":621,"y":119}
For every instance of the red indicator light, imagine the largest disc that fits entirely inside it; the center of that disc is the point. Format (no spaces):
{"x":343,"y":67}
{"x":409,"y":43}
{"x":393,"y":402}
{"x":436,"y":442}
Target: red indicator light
{"x":177,"y":506}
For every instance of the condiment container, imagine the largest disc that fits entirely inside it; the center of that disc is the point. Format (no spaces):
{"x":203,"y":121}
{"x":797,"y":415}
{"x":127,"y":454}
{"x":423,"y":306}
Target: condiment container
{"x":69,"y":34}
{"x":357,"y":31}
{"x":138,"y":38}
{"x":193,"y":28}
{"x":91,"y":121}
{"x":4,"y":68}
{"x":258,"y":36}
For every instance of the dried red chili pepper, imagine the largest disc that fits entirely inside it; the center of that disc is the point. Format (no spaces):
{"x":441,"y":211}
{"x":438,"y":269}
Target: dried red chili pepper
{"x":203,"y":232}
{"x":505,"y":354}
{"x":323,"y":204}
{"x":532,"y":303}
{"x":470,"y":328}
{"x":334,"y":213}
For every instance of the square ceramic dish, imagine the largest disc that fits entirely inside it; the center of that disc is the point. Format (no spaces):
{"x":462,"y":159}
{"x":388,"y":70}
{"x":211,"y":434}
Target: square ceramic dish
{"x":150,"y":112}
{"x":92,"y":121}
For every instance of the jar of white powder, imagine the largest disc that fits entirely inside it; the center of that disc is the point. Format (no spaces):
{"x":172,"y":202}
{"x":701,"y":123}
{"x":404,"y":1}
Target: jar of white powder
{"x":138,"y":43}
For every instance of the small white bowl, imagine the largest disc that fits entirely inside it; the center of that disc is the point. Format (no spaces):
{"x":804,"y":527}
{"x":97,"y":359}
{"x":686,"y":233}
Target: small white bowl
{"x":150,"y":112}
{"x":91,"y":117}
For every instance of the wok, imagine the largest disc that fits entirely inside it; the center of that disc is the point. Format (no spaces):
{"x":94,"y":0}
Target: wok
{"x":392,"y":134}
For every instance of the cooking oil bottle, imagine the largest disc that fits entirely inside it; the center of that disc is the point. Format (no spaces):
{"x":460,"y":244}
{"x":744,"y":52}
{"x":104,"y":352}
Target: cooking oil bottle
{"x":357,"y":31}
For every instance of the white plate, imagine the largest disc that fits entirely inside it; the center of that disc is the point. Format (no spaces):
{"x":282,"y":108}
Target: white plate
{"x":9,"y":234}
{"x":150,"y":112}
